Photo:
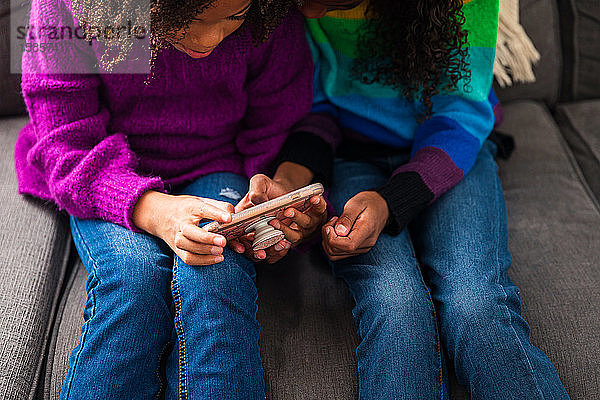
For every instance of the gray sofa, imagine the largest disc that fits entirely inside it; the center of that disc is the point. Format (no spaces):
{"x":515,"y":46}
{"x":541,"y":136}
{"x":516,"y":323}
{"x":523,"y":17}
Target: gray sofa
{"x":552,"y":188}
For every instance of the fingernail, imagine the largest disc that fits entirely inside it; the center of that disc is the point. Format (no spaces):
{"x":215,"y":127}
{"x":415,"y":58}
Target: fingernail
{"x":261,"y":256}
{"x":219,"y":259}
{"x":289,"y":213}
{"x":315,"y":200}
{"x":294,"y":226}
{"x":287,"y":244}
{"x":220,"y":241}
{"x":342,"y":230}
{"x":278,"y":247}
{"x":328,"y":230}
{"x":216,"y":250}
{"x":275,"y":224}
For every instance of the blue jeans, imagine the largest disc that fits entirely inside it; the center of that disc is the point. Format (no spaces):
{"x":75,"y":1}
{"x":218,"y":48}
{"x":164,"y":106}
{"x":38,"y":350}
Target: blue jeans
{"x":142,"y":300}
{"x":441,"y":284}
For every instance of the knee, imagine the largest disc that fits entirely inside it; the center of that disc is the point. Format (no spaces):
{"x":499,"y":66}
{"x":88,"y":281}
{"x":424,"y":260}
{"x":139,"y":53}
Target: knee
{"x":136,"y":276}
{"x":395,"y":306}
{"x":472,"y":307}
{"x":230,"y":282}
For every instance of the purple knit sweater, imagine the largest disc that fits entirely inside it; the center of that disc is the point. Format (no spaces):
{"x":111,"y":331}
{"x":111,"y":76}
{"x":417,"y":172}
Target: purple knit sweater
{"x":96,"y":143}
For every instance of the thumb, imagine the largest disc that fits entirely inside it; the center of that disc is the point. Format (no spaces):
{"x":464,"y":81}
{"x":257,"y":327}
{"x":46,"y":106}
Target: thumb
{"x":258,"y":188}
{"x":345,"y":222}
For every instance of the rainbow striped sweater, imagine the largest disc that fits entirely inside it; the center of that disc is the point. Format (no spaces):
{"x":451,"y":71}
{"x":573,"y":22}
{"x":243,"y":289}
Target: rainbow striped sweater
{"x":444,"y":147}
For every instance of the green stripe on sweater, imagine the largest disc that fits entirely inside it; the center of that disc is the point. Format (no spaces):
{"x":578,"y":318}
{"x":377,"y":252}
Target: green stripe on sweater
{"x":481,"y":22}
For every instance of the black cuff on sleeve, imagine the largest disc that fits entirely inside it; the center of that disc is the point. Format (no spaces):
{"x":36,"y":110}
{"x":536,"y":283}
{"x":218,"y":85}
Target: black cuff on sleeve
{"x":406,"y":195}
{"x":310,"y":151}
{"x":504,"y":142}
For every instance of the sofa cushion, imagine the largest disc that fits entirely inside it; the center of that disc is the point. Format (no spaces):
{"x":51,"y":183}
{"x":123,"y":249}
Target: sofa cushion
{"x":540,"y":20}
{"x":554,"y":238}
{"x":35,"y":245}
{"x":580,"y":124}
{"x":580,"y":34}
{"x":307,"y":332}
{"x":11,"y":102}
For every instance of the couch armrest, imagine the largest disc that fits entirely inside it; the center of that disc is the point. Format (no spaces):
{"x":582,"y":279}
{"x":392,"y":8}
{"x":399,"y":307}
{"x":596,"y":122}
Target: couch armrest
{"x":35,"y":243}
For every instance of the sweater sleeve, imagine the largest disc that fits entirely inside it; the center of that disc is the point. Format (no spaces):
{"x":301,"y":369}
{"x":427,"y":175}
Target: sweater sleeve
{"x":279,"y":94}
{"x":446,"y":145}
{"x":90,"y":172}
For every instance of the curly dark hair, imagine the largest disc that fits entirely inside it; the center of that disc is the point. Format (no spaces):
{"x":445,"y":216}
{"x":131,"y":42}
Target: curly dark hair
{"x":167,"y":17}
{"x":264,"y":16}
{"x":415,"y":46}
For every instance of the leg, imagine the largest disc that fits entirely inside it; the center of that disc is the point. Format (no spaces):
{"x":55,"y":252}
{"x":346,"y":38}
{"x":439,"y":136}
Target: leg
{"x":216,"y":355}
{"x":399,"y":355}
{"x":127,"y":317}
{"x":462,"y":241}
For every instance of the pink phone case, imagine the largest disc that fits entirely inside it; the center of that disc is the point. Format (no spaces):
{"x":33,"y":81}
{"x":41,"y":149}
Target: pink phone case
{"x":298,"y":199}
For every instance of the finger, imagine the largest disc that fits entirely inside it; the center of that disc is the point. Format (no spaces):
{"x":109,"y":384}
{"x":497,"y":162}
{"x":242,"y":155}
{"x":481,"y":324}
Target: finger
{"x":331,"y":222}
{"x":223,"y":205}
{"x":292,"y":235}
{"x":302,"y":220}
{"x":360,"y":250}
{"x":243,"y":204}
{"x":259,"y":254}
{"x":278,"y":251}
{"x":340,"y":244}
{"x":197,"y":260}
{"x":246,"y":242}
{"x":334,"y":254}
{"x":237,"y":246}
{"x":188,"y":245}
{"x":327,"y":228}
{"x":282,"y":245}
{"x":206,"y":210}
{"x":318,"y":206}
{"x":258,"y":197}
{"x":258,"y":188}
{"x":361,"y":231}
{"x":200,"y":235}
{"x":351,"y":212}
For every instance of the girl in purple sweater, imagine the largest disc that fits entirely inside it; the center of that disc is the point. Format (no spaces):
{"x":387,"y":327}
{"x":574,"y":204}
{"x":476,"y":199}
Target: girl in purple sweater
{"x":138,"y":161}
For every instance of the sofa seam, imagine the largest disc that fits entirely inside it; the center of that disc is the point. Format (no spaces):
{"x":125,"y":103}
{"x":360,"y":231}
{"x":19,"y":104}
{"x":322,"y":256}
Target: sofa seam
{"x":568,"y":121}
{"x":64,"y":297}
{"x":574,"y":165}
{"x":561,"y":63}
{"x":50,"y":320}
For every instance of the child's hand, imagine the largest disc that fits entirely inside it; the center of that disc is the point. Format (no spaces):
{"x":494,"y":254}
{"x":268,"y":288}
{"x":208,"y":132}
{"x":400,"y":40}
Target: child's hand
{"x":175,"y":220}
{"x":357,"y":229}
{"x":297,"y":226}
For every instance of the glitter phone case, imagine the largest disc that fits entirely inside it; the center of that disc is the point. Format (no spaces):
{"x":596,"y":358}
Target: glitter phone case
{"x":255,"y":219}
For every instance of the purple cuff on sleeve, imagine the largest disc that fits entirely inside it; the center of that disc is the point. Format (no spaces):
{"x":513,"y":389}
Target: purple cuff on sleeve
{"x":436,"y":168}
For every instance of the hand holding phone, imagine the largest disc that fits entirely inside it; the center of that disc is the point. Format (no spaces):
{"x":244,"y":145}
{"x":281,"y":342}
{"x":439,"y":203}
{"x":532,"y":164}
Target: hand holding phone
{"x":256,"y":219}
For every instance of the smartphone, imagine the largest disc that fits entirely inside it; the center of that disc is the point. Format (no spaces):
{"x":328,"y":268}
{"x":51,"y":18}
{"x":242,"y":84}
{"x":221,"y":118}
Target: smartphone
{"x":264,"y":212}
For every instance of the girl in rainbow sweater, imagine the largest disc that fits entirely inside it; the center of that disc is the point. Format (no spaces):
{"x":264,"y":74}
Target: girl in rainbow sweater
{"x":421,"y":241}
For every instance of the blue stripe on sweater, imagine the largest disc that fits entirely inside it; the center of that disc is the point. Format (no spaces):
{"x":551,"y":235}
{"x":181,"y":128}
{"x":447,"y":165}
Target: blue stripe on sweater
{"x":447,"y":135}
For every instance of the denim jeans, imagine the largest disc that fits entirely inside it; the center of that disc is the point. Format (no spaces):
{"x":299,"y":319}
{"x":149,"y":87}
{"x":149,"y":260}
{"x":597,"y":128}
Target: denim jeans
{"x":142,"y":300}
{"x":441,"y":285}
